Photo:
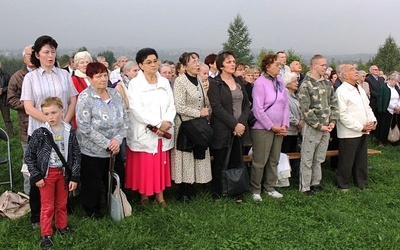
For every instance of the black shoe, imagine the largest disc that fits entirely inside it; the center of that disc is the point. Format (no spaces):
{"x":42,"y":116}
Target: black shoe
{"x":96,"y":216}
{"x":309,"y":192}
{"x":46,"y":242}
{"x":64,"y":231}
{"x":317,"y":188}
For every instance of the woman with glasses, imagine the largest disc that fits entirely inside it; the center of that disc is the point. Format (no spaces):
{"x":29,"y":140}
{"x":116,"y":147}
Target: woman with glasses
{"x":230,"y":110}
{"x":150,"y":133}
{"x":191,"y":102}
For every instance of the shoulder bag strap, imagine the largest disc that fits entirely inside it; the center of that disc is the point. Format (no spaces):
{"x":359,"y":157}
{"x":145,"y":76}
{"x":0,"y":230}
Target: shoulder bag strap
{"x":53,"y":144}
{"x":228,"y":154}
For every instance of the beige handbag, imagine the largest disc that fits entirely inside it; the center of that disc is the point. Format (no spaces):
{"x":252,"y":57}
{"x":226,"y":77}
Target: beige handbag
{"x":394,"y":133}
{"x":14,"y":205}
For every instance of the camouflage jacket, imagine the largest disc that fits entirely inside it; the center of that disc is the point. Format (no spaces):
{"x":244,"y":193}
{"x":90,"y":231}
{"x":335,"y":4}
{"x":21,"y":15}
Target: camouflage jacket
{"x":318,"y":102}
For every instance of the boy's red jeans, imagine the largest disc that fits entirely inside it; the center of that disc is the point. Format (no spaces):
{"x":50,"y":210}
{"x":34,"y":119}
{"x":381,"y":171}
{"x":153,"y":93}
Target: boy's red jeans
{"x":53,"y":198}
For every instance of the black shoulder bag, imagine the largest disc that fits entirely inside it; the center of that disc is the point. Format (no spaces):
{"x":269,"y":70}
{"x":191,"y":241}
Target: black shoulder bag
{"x":234,"y":181}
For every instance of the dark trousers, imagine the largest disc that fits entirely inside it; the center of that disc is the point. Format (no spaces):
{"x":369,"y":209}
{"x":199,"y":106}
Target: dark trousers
{"x":385,"y":122}
{"x":94,"y":181}
{"x":5,"y":112}
{"x":333,"y":145}
{"x":353,"y":160}
{"x":219,"y":155}
{"x":34,"y":202}
{"x":289,"y":145}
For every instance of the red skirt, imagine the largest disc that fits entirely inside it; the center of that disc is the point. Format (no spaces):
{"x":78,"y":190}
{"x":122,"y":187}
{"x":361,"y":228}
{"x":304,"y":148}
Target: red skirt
{"x":146,"y":172}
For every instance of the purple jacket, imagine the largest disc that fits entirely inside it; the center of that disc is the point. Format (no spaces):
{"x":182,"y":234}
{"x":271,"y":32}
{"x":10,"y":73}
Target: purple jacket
{"x":270,"y":107}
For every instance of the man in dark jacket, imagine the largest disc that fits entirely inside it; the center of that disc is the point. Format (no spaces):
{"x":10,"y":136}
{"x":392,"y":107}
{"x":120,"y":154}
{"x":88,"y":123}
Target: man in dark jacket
{"x":5,"y":110}
{"x":374,"y":81}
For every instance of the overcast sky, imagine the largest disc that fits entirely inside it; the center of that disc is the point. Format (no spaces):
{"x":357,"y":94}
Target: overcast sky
{"x":307,"y":26}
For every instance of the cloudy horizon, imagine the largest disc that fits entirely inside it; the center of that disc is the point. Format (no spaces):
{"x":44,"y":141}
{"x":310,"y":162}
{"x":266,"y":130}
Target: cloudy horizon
{"x":307,"y":27}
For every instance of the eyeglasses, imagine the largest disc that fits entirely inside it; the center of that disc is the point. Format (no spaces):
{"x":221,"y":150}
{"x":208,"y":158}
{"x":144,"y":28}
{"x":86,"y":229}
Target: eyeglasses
{"x":194,"y":62}
{"x":151,"y":62}
{"x":27,"y":54}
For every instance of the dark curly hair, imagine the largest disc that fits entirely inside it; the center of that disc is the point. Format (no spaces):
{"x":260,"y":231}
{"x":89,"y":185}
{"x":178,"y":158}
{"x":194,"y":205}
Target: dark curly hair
{"x":267,"y":60}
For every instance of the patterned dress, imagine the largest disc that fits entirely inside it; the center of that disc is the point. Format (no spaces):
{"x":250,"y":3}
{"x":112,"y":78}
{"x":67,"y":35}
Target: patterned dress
{"x":189,"y":100}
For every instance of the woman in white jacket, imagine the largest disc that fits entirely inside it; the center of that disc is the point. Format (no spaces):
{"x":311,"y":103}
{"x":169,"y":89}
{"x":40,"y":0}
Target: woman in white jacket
{"x":152,"y":113}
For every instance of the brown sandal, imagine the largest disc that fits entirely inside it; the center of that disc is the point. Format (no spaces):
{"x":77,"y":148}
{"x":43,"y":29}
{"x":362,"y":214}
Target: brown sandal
{"x":162,"y":203}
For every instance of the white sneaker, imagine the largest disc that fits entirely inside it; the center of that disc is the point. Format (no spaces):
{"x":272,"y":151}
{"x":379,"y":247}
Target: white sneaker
{"x":257,"y":197}
{"x":275,"y":194}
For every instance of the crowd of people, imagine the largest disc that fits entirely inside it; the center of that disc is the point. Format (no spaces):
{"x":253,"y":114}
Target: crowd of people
{"x":138,"y":110}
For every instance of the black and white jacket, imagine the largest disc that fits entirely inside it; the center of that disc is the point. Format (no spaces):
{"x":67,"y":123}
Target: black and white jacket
{"x":39,"y":149}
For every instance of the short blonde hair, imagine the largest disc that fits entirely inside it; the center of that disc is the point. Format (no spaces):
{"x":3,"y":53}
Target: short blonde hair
{"x":52,"y":100}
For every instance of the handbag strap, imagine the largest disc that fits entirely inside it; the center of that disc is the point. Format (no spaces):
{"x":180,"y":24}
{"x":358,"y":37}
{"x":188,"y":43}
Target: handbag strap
{"x":53,"y":144}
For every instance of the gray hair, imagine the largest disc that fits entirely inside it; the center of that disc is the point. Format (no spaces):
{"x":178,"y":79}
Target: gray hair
{"x":164,"y":65}
{"x":288,"y":77}
{"x":120,"y":58}
{"x":82,"y":55}
{"x":100,"y":59}
{"x":129,"y":65}
{"x":361,"y":72}
{"x":395,"y":76}
{"x":27,"y":47}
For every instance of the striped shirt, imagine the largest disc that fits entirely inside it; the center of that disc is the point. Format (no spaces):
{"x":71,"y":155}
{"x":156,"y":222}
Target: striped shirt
{"x":39,"y":84}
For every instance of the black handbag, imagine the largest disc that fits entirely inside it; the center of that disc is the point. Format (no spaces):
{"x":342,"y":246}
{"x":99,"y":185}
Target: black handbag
{"x":252,"y":119}
{"x":235,"y":181}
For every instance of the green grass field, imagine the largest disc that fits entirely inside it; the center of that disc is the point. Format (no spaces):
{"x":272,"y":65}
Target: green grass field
{"x":331,"y":219}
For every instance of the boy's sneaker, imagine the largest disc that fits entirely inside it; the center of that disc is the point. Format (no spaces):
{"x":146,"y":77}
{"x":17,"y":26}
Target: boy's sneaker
{"x":275,"y":194}
{"x":257,"y":197}
{"x":64,"y":231}
{"x":46,"y":242}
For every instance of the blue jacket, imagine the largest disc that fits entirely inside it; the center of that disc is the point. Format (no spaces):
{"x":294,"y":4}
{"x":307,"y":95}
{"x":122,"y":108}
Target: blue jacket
{"x":38,"y":152}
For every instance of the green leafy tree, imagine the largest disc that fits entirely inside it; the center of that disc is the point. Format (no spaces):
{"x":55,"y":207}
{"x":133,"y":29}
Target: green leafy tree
{"x":387,"y":57}
{"x":261,"y":54}
{"x":239,"y":41}
{"x":109,"y":55}
{"x":63,"y":61}
{"x":11,"y":65}
{"x":292,"y":56}
{"x":83,"y":48}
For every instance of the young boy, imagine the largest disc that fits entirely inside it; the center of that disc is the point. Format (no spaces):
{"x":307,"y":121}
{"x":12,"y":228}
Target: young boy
{"x":47,"y":170}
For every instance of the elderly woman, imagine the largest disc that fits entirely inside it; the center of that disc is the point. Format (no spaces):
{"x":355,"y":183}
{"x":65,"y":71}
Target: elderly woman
{"x":361,"y":81}
{"x":270,"y":107}
{"x":81,"y":60}
{"x":46,"y":80}
{"x":101,"y":120}
{"x":80,"y":80}
{"x":230,"y":110}
{"x":149,"y":136}
{"x":290,"y":141}
{"x":190,"y":102}
{"x":388,"y":107}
